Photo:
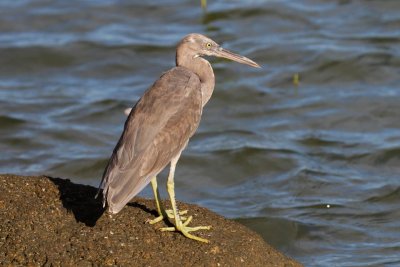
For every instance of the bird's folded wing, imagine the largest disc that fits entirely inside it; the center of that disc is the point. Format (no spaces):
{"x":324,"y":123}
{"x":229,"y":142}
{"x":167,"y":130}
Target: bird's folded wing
{"x":157,"y":129}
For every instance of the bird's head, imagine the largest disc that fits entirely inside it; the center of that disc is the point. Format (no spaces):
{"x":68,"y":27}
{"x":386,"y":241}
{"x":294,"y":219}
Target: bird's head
{"x":197,"y":45}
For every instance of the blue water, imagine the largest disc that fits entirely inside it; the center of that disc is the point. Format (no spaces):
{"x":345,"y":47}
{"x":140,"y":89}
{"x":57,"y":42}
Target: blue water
{"x":313,"y":168}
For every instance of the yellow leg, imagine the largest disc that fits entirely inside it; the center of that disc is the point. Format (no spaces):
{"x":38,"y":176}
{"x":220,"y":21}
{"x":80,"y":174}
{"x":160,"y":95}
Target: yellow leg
{"x":179,"y":226}
{"x":162,"y":213}
{"x":160,"y":209}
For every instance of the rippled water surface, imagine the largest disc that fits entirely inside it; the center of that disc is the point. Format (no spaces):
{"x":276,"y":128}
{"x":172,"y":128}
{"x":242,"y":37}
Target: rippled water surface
{"x":314,"y":167}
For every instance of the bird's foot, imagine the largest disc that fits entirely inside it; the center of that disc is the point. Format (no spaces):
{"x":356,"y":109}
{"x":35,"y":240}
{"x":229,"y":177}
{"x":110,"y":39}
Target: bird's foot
{"x":185,"y":230}
{"x":170,"y":215}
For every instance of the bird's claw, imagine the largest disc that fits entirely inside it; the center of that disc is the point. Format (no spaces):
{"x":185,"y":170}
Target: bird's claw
{"x":185,"y":230}
{"x":170,"y":215}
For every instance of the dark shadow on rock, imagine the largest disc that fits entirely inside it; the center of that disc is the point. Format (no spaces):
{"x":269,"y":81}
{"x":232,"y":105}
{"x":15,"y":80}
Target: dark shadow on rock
{"x":151,"y":212}
{"x":80,"y":200}
{"x":143,"y":207}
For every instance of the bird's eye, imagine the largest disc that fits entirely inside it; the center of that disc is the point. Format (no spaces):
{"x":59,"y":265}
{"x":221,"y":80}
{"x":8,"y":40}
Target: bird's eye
{"x":208,"y":45}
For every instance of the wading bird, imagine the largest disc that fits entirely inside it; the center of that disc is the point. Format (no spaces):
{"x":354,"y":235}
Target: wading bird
{"x":158,"y":129}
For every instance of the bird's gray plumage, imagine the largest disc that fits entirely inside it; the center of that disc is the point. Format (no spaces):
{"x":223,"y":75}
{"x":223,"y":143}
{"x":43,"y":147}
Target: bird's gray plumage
{"x":161,"y":123}
{"x":168,"y":113}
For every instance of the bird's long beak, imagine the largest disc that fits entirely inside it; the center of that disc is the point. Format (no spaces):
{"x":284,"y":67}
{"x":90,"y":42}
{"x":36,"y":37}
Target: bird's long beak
{"x":221,"y":52}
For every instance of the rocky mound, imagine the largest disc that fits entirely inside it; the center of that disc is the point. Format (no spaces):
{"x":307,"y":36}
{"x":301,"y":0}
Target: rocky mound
{"x":50,"y":221}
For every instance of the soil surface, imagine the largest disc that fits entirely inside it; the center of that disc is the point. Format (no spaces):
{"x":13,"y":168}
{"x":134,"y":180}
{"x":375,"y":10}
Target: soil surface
{"x":52,"y":222}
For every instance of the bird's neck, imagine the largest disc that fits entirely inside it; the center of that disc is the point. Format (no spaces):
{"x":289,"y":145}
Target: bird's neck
{"x":203,"y":69}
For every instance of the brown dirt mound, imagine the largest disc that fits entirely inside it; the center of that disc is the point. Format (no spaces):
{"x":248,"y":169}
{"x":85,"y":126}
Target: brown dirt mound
{"x":50,"y":221}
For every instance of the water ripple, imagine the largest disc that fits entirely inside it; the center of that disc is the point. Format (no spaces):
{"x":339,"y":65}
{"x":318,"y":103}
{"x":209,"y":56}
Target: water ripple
{"x":312,"y":166}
